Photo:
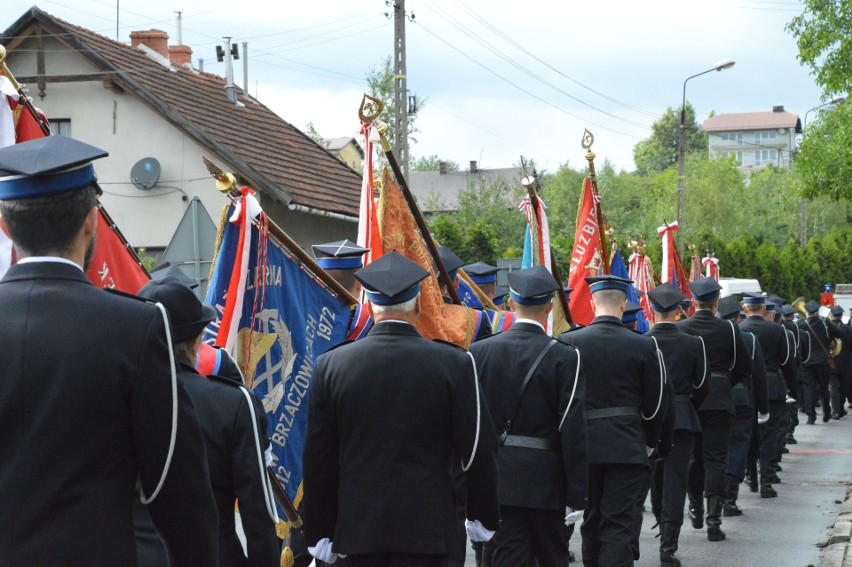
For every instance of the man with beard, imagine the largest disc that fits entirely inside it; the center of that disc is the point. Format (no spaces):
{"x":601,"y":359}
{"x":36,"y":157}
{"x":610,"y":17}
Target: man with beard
{"x":87,"y":387}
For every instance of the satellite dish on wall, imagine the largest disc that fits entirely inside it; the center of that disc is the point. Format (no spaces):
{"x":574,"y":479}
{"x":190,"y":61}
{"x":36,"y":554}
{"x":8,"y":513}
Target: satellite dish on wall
{"x":145,"y":173}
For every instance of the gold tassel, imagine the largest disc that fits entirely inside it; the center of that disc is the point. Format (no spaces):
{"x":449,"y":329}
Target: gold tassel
{"x":287,"y":559}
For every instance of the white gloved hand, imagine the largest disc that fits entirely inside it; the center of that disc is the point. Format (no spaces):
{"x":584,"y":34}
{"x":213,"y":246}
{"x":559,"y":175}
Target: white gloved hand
{"x":572,"y":515}
{"x":790,"y":399}
{"x":268,"y":459}
{"x":322,"y":551}
{"x":477,"y":532}
{"x":762,"y":418}
{"x":649,"y":450}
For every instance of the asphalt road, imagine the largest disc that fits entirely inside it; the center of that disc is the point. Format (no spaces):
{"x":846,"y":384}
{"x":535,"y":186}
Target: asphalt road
{"x":773,"y":532}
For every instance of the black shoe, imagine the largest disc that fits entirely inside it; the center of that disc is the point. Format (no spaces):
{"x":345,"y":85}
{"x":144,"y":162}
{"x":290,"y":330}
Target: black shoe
{"x":696,"y":516}
{"x":668,"y":545}
{"x":730,"y":510}
{"x":836,"y":416}
{"x":811,"y":420}
{"x":826,"y":418}
{"x":714,"y":519}
{"x":773,"y":478}
{"x":784,"y":450}
{"x":766,"y":491}
{"x":791,"y":440}
{"x":776,"y":466}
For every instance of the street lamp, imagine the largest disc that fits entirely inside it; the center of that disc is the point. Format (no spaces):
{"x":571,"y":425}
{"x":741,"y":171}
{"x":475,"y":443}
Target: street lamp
{"x":803,"y":235}
{"x":681,"y":148}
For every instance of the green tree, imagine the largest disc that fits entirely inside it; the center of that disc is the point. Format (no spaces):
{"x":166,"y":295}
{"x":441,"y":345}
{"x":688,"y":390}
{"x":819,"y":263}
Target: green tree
{"x":432,"y":163}
{"x":380,"y":83}
{"x":823,"y":36}
{"x":659,"y":152}
{"x":824,"y":159}
{"x":447,"y":232}
{"x":312,"y":133}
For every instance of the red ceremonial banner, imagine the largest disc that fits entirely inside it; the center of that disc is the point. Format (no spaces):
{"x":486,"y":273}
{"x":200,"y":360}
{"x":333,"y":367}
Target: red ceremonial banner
{"x":586,"y":258}
{"x":112,"y":264}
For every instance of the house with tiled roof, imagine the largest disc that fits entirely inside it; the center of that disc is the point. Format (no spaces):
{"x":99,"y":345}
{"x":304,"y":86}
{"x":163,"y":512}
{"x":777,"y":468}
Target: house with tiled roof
{"x":145,"y":100}
{"x":755,"y":139}
{"x":439,"y":191}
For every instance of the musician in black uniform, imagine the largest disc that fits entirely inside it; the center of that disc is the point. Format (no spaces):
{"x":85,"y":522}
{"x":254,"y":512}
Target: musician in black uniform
{"x":535,"y":391}
{"x":796,"y":336}
{"x":385,"y":415}
{"x":838,"y":385}
{"x":749,"y":396}
{"x":625,"y":391}
{"x":231,"y":420}
{"x":89,"y":400}
{"x":780,"y":379}
{"x":686,"y":368}
{"x":817,"y":366}
{"x":728,"y":363}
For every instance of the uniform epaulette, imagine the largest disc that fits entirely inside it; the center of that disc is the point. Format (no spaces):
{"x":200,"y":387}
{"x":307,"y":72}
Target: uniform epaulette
{"x":225,"y":380}
{"x":455,"y":345}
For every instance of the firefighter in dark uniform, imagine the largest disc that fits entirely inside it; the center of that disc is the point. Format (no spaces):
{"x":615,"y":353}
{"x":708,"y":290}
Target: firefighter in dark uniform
{"x":779,"y":359}
{"x":535,"y":391}
{"x":625,"y":391}
{"x":816,"y":368}
{"x":341,"y":260}
{"x":839,"y":375}
{"x":230,"y":416}
{"x":686,"y":367}
{"x":386,"y":414}
{"x":729,"y":363}
{"x":749,"y":396}
{"x":89,"y":400}
{"x":793,"y":401}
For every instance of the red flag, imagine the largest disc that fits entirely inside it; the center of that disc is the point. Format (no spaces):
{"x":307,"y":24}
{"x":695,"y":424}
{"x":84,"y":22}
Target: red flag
{"x":642,"y":274}
{"x":369,"y":236}
{"x":711,"y":263}
{"x":113,"y":266}
{"x":587,"y":256}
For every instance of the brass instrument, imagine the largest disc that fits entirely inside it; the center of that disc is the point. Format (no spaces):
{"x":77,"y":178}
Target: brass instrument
{"x":835,"y":346}
{"x":799,"y":307}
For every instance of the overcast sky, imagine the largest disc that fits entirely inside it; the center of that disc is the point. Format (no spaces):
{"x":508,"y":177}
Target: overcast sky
{"x":500,"y":78}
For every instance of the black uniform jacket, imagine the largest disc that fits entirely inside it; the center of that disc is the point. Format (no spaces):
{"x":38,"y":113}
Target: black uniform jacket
{"x":686,"y":366}
{"x":754,"y":392}
{"x":536,"y":478}
{"x":843,"y":361}
{"x":778,"y":355}
{"x":85,"y":407}
{"x":819,"y":333}
{"x":728,"y":361}
{"x":622,"y":369}
{"x":796,"y":337}
{"x":385,"y":414}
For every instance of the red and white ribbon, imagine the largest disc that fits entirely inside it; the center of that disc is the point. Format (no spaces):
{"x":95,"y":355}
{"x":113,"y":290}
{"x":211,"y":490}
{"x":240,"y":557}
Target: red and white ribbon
{"x":667,"y":233}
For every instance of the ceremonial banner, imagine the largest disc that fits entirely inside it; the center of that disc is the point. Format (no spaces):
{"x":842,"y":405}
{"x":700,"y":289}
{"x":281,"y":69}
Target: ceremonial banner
{"x":113,"y":266}
{"x":586,"y":258}
{"x":643,"y":277}
{"x":672,"y":269}
{"x":285,"y":320}
{"x":711,"y":264}
{"x":473,"y":297}
{"x":694,"y":266}
{"x":617,"y":268}
{"x":453,"y":323}
{"x":368,"y":221}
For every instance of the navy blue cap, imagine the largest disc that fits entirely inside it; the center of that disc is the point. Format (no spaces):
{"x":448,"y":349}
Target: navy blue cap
{"x":753,"y":298}
{"x":631,"y":312}
{"x":600,"y":283}
{"x":340,"y":255}
{"x":451,"y":262}
{"x":391,"y":279}
{"x":46,"y":166}
{"x":836,"y":311}
{"x":482,"y":273}
{"x":666,"y":297}
{"x":168,"y":270}
{"x":812,"y":306}
{"x":705,"y":289}
{"x":729,"y":308}
{"x":532,"y":286}
{"x":770,"y":306}
{"x":187,"y":315}
{"x":788,"y":311}
{"x":500,"y":295}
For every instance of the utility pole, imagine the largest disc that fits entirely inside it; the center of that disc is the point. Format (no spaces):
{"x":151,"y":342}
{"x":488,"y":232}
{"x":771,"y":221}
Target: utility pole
{"x":400,"y":86}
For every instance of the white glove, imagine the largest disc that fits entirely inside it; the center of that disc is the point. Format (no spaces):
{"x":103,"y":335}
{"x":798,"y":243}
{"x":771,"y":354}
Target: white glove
{"x":268,"y":459}
{"x":322,"y":551}
{"x":789,"y":399}
{"x":572,"y":515}
{"x":477,"y":532}
{"x":649,"y":450}
{"x":762,"y":418}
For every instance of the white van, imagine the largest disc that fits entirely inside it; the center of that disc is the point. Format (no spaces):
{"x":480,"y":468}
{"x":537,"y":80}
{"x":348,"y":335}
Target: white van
{"x":737,"y":286}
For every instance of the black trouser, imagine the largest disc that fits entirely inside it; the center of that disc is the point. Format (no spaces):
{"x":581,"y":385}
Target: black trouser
{"x":738,"y":442}
{"x":710,"y":455}
{"x":616,"y":492}
{"x":527,"y":535}
{"x":675,"y":469}
{"x":773,"y":433}
{"x":816,"y":384}
{"x":837,"y":384}
{"x":398,"y":560}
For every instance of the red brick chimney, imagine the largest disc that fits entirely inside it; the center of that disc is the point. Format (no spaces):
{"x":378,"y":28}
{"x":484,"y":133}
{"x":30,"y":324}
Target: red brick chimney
{"x":156,"y":40}
{"x":180,"y":55}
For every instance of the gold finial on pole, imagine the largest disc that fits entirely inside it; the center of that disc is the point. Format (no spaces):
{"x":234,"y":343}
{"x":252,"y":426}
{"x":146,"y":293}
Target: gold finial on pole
{"x":225,"y":182}
{"x":370,"y":109}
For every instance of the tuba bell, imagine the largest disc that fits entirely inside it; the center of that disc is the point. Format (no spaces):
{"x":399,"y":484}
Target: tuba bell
{"x":799,"y":307}
{"x":835,"y":347}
